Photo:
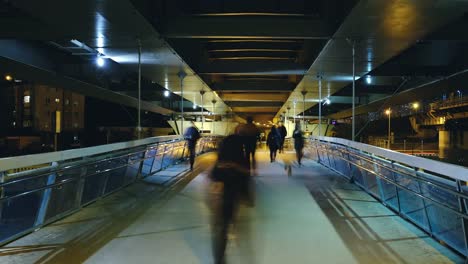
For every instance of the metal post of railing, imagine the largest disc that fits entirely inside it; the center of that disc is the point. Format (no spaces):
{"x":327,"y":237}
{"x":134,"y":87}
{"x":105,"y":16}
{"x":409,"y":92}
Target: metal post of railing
{"x":463,"y":209}
{"x":2,"y":192}
{"x":163,"y":156}
{"x":81,"y":184}
{"x":404,"y":145}
{"x":396,"y":188}
{"x":46,"y":196}
{"x":422,"y":145}
{"x":378,"y":180}
{"x":415,"y":171}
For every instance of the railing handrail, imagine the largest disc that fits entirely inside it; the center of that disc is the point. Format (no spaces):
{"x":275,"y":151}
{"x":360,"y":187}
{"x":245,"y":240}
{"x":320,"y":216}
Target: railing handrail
{"x":450,"y":170}
{"x":44,"y":158}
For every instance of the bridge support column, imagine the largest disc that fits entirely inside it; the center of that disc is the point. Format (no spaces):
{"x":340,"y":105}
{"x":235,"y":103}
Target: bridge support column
{"x":444,"y":143}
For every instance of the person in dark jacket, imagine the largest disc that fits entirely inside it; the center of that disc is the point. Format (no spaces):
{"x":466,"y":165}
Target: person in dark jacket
{"x":298,"y":142}
{"x":231,"y":170}
{"x":273,"y":142}
{"x":192,"y":135}
{"x":249,"y":133}
{"x":282,"y":132}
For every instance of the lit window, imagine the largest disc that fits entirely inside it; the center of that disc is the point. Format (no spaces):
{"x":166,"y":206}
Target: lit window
{"x":67,"y":102}
{"x":57,"y":100}
{"x":27,"y":99}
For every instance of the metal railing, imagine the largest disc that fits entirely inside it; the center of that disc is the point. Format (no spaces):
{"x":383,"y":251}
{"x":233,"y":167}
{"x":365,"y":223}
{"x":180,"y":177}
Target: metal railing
{"x":61,"y":183}
{"x":431,"y":194}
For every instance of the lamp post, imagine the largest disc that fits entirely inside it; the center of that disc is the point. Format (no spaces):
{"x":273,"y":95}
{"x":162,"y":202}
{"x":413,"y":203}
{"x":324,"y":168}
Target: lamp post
{"x":389,"y":113}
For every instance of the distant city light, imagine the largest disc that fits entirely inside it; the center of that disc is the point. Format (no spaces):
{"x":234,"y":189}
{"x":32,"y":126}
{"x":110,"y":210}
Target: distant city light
{"x":57,"y":100}
{"x":415,"y":105}
{"x":368,"y":79}
{"x":8,"y":78}
{"x":100,"y":61}
{"x":388,"y":111}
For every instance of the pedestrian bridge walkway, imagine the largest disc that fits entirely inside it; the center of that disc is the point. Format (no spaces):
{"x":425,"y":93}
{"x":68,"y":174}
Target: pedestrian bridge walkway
{"x":312,"y":216}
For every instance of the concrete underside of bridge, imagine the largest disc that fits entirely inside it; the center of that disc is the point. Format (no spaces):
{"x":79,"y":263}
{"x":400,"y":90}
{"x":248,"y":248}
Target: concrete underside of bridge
{"x":259,"y":58}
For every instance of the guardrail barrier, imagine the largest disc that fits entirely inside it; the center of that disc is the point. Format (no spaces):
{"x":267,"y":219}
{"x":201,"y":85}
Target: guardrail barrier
{"x":57,"y":184}
{"x":431,"y":194}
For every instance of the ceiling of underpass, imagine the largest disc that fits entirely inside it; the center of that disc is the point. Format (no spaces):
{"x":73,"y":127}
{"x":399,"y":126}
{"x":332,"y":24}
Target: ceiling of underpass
{"x":250,"y":57}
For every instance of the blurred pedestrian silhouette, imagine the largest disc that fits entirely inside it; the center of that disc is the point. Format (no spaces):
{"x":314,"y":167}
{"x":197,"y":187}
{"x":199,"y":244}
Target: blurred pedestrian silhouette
{"x":231,"y":171}
{"x":282,"y":132}
{"x":273,"y":142}
{"x":249,"y":134}
{"x":192,"y":135}
{"x":298,"y":142}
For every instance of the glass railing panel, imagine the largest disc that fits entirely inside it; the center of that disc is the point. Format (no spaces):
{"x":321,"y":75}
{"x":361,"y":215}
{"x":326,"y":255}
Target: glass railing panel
{"x":134,"y":163}
{"x":63,"y":197}
{"x":412,"y":205}
{"x":157,"y":163}
{"x":18,"y":215}
{"x":148,"y":162}
{"x":446,"y":225}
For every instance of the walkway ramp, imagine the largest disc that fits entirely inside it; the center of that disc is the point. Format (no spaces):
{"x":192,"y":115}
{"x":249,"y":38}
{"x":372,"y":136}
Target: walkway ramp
{"x":312,"y":216}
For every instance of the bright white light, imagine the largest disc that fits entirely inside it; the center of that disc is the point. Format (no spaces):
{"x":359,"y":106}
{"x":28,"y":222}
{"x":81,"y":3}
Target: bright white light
{"x":327,"y":101}
{"x":166,"y":93}
{"x":194,"y":106}
{"x":368,"y":79}
{"x":100,"y":62}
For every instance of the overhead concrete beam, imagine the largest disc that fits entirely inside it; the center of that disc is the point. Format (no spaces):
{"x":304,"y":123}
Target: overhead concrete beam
{"x":247,"y":86}
{"x":252,"y":68}
{"x":255,"y":109}
{"x":254,"y":97}
{"x":247,"y":27}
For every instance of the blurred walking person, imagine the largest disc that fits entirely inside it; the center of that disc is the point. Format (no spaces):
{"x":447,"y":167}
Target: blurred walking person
{"x":192,"y":135}
{"x":249,"y":134}
{"x":273,"y":142}
{"x":282,"y":132}
{"x":298,"y":142}
{"x":230,"y":170}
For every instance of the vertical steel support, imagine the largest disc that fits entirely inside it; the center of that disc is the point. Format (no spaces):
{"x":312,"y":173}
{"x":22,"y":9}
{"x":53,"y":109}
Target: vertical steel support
{"x":287,"y":119}
{"x":354,"y":95}
{"x":213,"y":126}
{"x":320,"y":106}
{"x":46,"y":197}
{"x":303,"y":109}
{"x":396,"y":188}
{"x":424,"y":203}
{"x":462,"y":208}
{"x":294,"y":106}
{"x":202,"y":93}
{"x":81,"y":184}
{"x":378,"y":181}
{"x":2,"y":192}
{"x":139,"y":90}
{"x":389,"y":128}
{"x":181,"y":75}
